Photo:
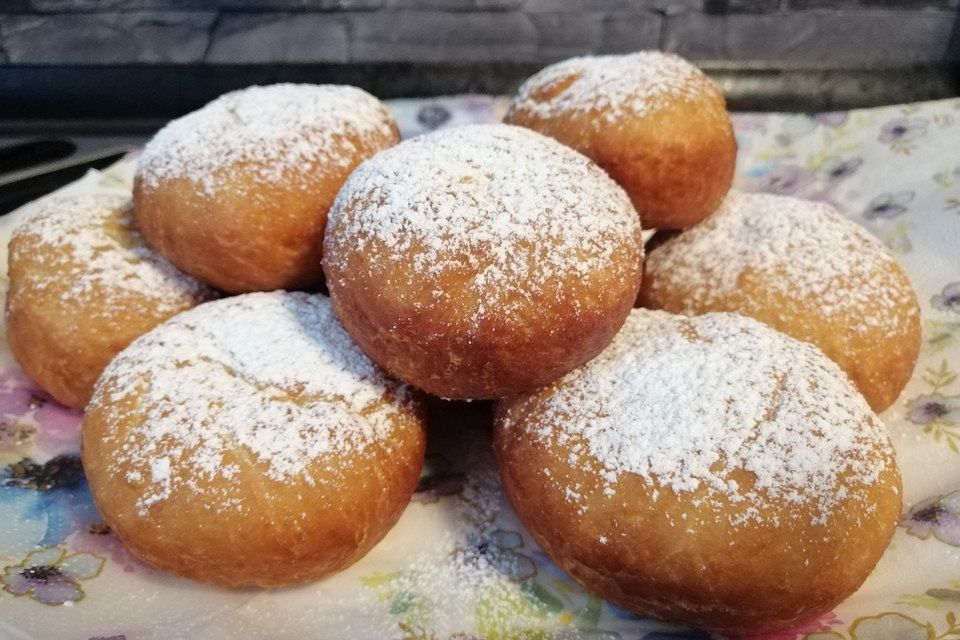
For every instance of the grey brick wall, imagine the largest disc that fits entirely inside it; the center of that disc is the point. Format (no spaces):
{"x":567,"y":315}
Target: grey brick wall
{"x":778,"y":32}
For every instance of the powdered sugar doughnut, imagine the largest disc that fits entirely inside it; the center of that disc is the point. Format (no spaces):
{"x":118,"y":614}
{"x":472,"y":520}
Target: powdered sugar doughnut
{"x":249,"y":442}
{"x":652,"y":120}
{"x":237,"y":193}
{"x":83,"y":285}
{"x":480,"y":261}
{"x":803,"y":269}
{"x":707,"y":470}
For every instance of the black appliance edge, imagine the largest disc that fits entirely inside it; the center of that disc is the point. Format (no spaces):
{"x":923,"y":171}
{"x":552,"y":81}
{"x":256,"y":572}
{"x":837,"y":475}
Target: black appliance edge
{"x":139,"y":98}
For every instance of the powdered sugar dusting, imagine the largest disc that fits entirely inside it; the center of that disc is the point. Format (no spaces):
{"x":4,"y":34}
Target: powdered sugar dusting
{"x":472,"y":577}
{"x":273,"y":374}
{"x":511,"y":211}
{"x":799,"y":248}
{"x":469,"y":577}
{"x":271,"y":129}
{"x":683,"y":402}
{"x":635,"y":84}
{"x":89,"y":245}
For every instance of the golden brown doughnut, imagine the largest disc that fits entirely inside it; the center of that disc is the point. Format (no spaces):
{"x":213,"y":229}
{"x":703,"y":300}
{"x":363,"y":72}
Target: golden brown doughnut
{"x":652,"y":120}
{"x":480,"y":261}
{"x":803,"y":269}
{"x":708,"y":471}
{"x":83,"y":285}
{"x":237,"y":193}
{"x":249,"y":442}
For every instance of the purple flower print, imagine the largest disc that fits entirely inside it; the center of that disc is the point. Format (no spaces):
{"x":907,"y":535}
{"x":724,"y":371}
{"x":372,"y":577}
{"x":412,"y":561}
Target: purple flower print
{"x":948,"y":299}
{"x":51,"y":576}
{"x":500,"y":549}
{"x":432,"y":116}
{"x":59,"y":427}
{"x":26,"y":411}
{"x":903,"y":130}
{"x":839,"y":168}
{"x":437,"y":480}
{"x":927,"y":408}
{"x":803,"y":629}
{"x":832,"y":119}
{"x":786,"y":179}
{"x":888,"y":205}
{"x":14,"y":433}
{"x":98,"y":540}
{"x":15,"y":404}
{"x":938,"y":516}
{"x":16,"y":397}
{"x":432,"y":488}
{"x":481,"y":109}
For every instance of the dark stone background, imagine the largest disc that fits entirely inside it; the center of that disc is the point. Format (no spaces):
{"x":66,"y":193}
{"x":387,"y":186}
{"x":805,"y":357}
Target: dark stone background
{"x":787,"y":33}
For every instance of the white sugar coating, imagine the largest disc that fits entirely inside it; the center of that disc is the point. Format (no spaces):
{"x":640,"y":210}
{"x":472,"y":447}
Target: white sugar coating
{"x":683,"y":402}
{"x":275,"y":129}
{"x":469,"y":578}
{"x":273,"y":374}
{"x":801,"y":249}
{"x":464,"y":580}
{"x":89,"y":246}
{"x":635,"y":84}
{"x":515,"y":210}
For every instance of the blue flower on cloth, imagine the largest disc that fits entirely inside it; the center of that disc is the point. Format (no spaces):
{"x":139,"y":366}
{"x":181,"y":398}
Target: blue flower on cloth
{"x":44,"y":502}
{"x":786,"y":179}
{"x":948,"y":299}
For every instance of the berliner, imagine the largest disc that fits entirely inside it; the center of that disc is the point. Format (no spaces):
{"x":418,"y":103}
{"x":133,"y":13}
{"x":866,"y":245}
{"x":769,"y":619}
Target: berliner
{"x":652,"y":120}
{"x":480,"y":261}
{"x":237,"y":193}
{"x":805,"y":270}
{"x":83,"y":285}
{"x":249,"y":442}
{"x":708,"y":471}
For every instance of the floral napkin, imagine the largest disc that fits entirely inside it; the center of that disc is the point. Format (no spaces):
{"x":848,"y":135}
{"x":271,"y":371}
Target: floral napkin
{"x":459,"y":565}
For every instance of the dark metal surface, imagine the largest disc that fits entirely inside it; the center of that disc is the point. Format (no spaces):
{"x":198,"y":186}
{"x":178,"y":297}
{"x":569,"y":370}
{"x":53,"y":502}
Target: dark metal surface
{"x":140,"y":98}
{"x":22,"y":155}
{"x":20,"y":187}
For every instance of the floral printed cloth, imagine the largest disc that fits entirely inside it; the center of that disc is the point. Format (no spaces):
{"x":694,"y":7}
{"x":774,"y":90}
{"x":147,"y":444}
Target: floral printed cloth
{"x":459,"y":565}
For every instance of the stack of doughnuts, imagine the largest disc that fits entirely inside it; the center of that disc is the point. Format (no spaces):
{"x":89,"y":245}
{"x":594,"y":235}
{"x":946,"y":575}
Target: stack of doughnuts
{"x":713,"y":469}
{"x":249,"y":442}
